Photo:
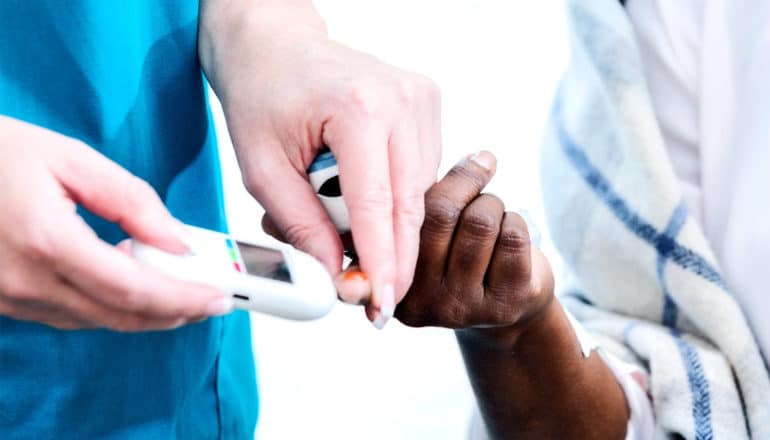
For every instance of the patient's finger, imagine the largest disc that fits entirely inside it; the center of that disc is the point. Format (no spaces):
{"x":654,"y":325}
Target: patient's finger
{"x":444,"y":204}
{"x":474,"y":241}
{"x":353,"y":286}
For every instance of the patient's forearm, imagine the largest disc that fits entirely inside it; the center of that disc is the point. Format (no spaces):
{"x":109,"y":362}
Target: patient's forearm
{"x":538,"y":385}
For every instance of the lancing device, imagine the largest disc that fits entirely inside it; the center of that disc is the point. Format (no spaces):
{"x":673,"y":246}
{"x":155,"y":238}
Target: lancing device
{"x":324,"y":177}
{"x":323,"y":174}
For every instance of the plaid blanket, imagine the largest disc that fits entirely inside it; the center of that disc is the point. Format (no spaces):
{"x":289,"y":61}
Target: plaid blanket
{"x":642,"y":277}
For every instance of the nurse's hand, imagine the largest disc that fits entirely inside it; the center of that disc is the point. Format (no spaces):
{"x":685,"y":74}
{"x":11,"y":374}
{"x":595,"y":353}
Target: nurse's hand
{"x":55,"y":270}
{"x":287,"y":89}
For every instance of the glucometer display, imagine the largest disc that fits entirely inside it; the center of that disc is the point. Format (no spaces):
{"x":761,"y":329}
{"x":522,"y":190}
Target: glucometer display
{"x":264,"y":262}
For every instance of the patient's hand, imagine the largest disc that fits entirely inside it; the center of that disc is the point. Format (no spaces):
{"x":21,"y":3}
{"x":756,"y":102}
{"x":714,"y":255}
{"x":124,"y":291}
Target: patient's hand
{"x":478,"y":273}
{"x":476,"y":268}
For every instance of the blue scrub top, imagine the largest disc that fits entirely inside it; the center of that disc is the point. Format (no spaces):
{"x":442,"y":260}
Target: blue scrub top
{"x":122,"y":76}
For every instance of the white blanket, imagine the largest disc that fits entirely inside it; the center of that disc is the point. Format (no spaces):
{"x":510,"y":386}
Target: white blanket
{"x":643,"y":278}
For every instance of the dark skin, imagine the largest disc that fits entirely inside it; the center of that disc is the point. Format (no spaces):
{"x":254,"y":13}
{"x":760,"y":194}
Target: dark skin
{"x":478,"y":274}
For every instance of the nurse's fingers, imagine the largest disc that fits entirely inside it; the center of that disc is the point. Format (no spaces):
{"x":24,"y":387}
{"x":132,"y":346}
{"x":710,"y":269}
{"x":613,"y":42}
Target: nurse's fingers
{"x":111,"y":192}
{"x":116,"y":280}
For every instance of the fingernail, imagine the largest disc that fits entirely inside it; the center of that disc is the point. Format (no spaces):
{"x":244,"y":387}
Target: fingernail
{"x":353,"y":287}
{"x":387,"y":302}
{"x":354,"y":275}
{"x":387,"y":307}
{"x":484,"y":160}
{"x":219,"y":307}
{"x":379,"y":321}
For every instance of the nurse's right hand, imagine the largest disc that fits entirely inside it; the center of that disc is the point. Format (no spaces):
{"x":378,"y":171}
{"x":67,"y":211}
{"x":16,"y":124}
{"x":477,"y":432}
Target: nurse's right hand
{"x":55,"y":270}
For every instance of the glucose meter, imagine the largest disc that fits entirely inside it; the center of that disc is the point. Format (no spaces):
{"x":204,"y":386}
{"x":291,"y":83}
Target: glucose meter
{"x":265,"y":276}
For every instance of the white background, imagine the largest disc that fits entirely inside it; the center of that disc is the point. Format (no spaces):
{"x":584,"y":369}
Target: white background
{"x":497,"y":63}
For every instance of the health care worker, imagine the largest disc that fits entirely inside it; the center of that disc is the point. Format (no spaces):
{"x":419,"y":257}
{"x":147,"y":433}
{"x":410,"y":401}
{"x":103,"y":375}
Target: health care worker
{"x":105,"y":134}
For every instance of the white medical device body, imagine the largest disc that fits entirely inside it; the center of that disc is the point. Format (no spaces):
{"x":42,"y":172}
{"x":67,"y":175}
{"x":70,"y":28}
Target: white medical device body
{"x":265,"y":276}
{"x":324,"y":177}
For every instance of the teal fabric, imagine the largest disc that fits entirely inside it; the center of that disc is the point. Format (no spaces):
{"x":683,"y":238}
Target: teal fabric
{"x":122,"y":76}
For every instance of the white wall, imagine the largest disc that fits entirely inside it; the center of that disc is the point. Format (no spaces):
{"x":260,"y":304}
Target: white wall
{"x":497,"y":63}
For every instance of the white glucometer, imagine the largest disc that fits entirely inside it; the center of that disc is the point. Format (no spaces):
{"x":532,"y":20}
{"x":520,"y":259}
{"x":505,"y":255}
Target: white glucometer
{"x":265,"y":276}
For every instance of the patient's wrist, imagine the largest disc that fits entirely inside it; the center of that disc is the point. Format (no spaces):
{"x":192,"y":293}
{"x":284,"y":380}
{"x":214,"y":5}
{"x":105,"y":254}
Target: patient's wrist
{"x":516,"y":373}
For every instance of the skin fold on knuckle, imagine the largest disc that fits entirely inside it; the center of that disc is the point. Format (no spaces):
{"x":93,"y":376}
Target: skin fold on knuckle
{"x":364,"y":99}
{"x":409,"y":209}
{"x":513,"y":280}
{"x":41,"y":242}
{"x":257,"y":175}
{"x":514,"y":244}
{"x":301,"y":234}
{"x":479,"y":229}
{"x":465,"y":255}
{"x":441,"y":214}
{"x":515,"y":228}
{"x":480,"y":225}
{"x":370,"y":201}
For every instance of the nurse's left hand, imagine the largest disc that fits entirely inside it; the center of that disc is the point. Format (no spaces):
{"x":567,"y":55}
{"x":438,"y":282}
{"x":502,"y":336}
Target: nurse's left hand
{"x":287,"y":89}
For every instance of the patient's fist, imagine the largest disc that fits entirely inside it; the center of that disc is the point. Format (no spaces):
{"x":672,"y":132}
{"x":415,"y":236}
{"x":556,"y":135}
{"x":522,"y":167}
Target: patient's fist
{"x":476,"y":266}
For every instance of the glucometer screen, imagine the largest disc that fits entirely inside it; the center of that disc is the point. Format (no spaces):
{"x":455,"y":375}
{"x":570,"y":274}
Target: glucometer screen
{"x":264,"y":262}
